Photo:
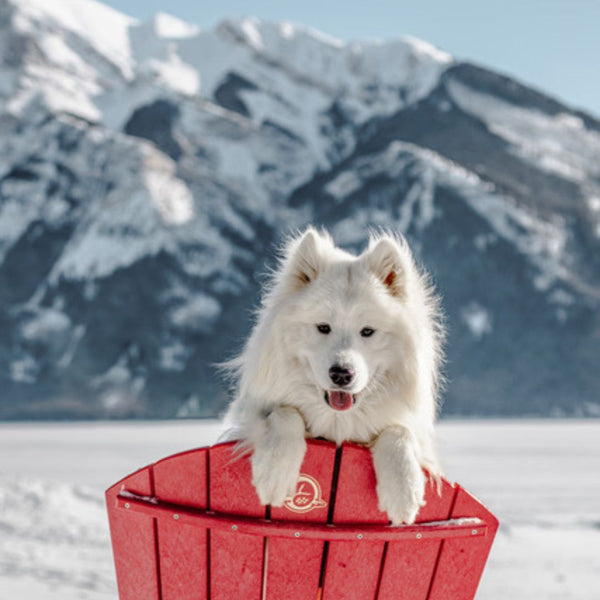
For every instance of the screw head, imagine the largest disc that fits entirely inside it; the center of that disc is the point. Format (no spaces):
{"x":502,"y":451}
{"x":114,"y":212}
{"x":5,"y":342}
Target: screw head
{"x":419,"y":536}
{"x":474,"y":532}
{"x":360,"y":536}
{"x":297,"y":534}
{"x":126,"y":504}
{"x":234,"y":527}
{"x":176,"y":517}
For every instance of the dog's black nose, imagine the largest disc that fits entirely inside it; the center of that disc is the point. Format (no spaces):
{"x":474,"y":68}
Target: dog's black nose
{"x":341,"y":376}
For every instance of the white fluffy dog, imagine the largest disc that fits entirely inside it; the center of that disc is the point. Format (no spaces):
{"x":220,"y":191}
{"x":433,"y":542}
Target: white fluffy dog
{"x":347,"y":348}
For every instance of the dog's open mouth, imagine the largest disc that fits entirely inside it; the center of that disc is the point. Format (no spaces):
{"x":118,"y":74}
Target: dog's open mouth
{"x":339,"y":400}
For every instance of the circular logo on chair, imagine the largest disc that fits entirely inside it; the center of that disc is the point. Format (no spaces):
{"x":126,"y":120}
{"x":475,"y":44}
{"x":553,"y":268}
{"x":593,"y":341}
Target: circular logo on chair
{"x":308,"y":495}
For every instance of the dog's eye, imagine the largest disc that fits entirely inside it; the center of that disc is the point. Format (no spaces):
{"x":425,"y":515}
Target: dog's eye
{"x":324,"y":328}
{"x":367,"y":332}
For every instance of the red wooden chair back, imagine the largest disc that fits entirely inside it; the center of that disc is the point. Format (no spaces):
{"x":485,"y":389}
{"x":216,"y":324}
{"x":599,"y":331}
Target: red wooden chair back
{"x":191,"y":527}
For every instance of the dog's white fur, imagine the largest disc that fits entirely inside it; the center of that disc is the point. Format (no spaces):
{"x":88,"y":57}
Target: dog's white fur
{"x":283,"y":372}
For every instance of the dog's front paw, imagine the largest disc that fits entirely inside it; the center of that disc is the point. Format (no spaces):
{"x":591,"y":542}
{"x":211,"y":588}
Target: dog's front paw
{"x":400,"y":478}
{"x":275,"y":471}
{"x":401,"y":497}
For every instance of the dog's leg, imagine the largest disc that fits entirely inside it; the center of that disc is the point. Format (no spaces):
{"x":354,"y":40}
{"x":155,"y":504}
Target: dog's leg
{"x":278,"y":454}
{"x":400,"y":478}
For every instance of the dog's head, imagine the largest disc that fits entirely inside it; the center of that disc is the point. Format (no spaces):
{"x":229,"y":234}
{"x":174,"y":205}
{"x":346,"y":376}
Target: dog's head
{"x":350,"y":323}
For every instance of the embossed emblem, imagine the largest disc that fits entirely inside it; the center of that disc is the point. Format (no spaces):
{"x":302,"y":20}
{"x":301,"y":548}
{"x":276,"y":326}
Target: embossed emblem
{"x":308,"y":495}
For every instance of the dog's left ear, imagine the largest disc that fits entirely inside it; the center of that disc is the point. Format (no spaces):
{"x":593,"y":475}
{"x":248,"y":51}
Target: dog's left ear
{"x":390,"y":260}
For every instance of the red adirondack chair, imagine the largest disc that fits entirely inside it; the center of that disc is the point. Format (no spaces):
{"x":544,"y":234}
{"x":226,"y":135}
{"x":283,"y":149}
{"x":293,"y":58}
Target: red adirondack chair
{"x":191,"y":527}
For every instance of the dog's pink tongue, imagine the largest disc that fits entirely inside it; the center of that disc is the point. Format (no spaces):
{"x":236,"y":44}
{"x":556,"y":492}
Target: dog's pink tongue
{"x":340,"y":400}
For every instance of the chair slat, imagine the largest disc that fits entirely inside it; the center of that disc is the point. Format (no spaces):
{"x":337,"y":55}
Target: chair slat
{"x":353,"y":568}
{"x":134,"y":541}
{"x":181,"y":479}
{"x":236,"y":560}
{"x":462,"y":560}
{"x":410,"y":565}
{"x":294,"y":565}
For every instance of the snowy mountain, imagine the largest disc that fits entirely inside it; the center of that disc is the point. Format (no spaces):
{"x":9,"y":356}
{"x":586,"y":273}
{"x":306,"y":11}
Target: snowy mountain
{"x":149,"y":169}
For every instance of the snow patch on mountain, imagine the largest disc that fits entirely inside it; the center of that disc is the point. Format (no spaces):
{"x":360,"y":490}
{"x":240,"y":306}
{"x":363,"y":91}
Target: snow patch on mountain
{"x":559,"y":144}
{"x":170,"y":27}
{"x":478,"y":319}
{"x":543,"y":241}
{"x":594,"y":207}
{"x":196,"y":313}
{"x":23,"y":369}
{"x":141,"y":219}
{"x":173,"y":357}
{"x":170,"y":196}
{"x":45,"y":325}
{"x":105,"y":29}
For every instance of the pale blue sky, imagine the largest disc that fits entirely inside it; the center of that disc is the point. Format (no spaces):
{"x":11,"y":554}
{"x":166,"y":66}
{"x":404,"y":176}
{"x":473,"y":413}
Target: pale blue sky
{"x":553,"y":45}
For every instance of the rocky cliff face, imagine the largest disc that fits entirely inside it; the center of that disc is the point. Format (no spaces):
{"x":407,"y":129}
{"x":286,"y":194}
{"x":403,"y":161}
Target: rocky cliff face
{"x":148,"y":171}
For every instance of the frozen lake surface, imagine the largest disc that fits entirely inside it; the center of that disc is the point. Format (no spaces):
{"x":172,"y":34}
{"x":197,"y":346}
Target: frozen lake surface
{"x":542,"y":479}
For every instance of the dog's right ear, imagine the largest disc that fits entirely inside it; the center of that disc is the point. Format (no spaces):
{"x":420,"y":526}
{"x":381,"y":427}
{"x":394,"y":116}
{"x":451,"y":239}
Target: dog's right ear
{"x":304,"y":259}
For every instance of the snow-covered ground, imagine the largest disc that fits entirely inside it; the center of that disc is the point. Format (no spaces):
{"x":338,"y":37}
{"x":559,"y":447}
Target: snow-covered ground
{"x":540,"y":478}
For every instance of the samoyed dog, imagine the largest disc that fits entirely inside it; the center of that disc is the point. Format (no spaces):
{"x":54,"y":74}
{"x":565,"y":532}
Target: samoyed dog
{"x":346,"y":348}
